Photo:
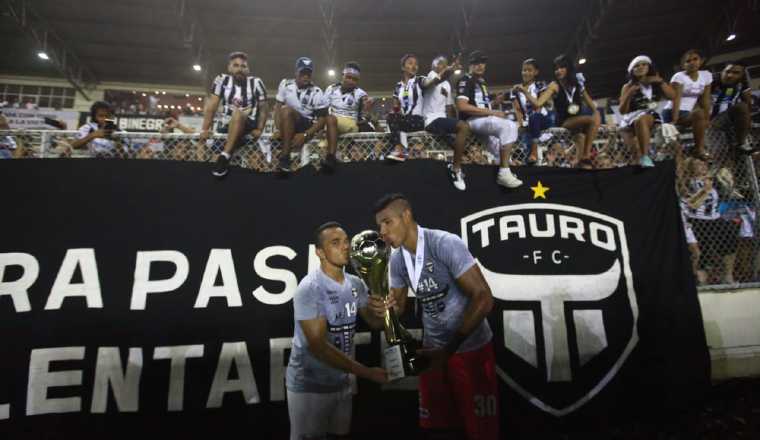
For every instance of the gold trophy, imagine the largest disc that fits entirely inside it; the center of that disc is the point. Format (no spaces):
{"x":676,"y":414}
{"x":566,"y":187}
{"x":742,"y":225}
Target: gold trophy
{"x":370,"y":258}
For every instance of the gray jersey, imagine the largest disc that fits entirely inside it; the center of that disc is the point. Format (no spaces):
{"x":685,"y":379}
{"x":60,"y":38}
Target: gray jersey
{"x":320,"y":296}
{"x":443,"y":304}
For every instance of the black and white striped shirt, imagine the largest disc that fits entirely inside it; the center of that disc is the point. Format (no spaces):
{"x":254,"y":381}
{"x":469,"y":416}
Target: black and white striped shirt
{"x":409,"y":95}
{"x":233,"y":95}
{"x":708,"y":210}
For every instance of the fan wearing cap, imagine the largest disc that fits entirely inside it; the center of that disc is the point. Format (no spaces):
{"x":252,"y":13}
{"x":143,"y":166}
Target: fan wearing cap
{"x":474,"y":105}
{"x":568,"y":91}
{"x":245,"y":108}
{"x":732,"y":101}
{"x":440,"y":115}
{"x":639,"y":100}
{"x":347,"y":103}
{"x":300,"y":110}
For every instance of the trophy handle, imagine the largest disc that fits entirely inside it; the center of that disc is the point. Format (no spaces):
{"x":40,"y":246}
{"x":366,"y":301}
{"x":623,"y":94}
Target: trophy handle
{"x":395,"y":332}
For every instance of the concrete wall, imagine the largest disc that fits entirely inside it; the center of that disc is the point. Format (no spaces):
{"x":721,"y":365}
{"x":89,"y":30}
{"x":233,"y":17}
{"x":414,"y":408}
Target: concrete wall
{"x":732,"y":324}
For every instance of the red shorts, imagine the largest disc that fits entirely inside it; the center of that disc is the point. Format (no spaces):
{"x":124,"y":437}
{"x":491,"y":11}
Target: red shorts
{"x":464,"y":394}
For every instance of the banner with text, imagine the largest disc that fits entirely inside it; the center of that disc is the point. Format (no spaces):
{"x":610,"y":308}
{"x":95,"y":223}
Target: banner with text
{"x":147,"y":297}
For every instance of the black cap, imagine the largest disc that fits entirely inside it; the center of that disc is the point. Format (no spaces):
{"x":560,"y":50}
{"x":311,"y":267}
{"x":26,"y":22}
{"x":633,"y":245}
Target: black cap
{"x":477,"y":57}
{"x":304,"y":63}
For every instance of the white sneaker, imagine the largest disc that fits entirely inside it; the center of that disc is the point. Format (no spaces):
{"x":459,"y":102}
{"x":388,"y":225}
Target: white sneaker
{"x":456,"y":177}
{"x":507,"y":179}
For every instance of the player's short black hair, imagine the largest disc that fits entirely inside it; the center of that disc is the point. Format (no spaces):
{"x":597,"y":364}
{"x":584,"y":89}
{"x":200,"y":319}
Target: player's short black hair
{"x":322,"y":228}
{"x":97,"y":105}
{"x":387,"y":199}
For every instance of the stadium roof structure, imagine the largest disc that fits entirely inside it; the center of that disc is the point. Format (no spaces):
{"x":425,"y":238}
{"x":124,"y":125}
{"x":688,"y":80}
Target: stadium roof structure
{"x":158,"y":42}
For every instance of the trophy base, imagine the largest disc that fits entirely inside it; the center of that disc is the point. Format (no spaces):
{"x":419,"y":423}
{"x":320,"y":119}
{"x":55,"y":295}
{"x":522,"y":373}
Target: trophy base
{"x":401,"y":360}
{"x":394,"y":363}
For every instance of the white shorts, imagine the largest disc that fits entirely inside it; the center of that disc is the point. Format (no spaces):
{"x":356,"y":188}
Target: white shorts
{"x":314,"y":415}
{"x":504,"y":130}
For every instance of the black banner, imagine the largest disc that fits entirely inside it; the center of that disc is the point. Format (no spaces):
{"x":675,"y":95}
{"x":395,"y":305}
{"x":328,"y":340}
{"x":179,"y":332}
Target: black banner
{"x":146,"y":297}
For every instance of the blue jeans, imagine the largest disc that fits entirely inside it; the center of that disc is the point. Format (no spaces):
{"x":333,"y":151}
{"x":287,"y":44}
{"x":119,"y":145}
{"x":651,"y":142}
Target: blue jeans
{"x":537,"y":123}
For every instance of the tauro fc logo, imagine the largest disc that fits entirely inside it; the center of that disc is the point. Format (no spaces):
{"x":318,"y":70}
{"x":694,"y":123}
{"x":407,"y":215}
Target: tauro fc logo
{"x":566,"y":308}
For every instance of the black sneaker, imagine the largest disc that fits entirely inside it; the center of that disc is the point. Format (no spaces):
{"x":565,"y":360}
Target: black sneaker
{"x":284,"y":166}
{"x":222,"y":166}
{"x":329,"y":163}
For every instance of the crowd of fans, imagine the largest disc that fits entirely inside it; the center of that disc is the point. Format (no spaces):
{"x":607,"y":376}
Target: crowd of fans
{"x":651,"y":108}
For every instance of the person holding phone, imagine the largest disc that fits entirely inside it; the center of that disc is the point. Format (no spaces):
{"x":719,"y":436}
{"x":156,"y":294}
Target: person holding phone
{"x":96,"y":134}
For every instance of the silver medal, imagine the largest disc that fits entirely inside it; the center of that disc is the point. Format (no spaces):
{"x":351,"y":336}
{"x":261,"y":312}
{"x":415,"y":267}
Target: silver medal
{"x":573,"y":109}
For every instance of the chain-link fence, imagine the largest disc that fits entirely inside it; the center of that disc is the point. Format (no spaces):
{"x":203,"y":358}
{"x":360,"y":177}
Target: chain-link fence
{"x":719,"y":199}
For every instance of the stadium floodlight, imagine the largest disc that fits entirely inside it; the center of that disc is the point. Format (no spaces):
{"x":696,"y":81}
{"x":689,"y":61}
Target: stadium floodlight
{"x":458,"y":72}
{"x":43,"y":55}
{"x":197,"y":67}
{"x":331,"y":72}
{"x":731,"y":37}
{"x":582,"y":61}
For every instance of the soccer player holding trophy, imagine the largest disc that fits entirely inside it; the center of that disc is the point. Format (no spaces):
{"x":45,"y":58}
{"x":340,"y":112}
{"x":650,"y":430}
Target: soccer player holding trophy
{"x":325,"y":306}
{"x":459,"y":390}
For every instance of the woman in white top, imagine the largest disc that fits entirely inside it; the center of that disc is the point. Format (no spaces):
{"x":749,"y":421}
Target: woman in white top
{"x":691,"y":105}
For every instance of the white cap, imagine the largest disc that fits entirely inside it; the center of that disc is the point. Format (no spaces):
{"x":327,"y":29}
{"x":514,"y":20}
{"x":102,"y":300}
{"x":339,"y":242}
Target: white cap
{"x":637,"y":60}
